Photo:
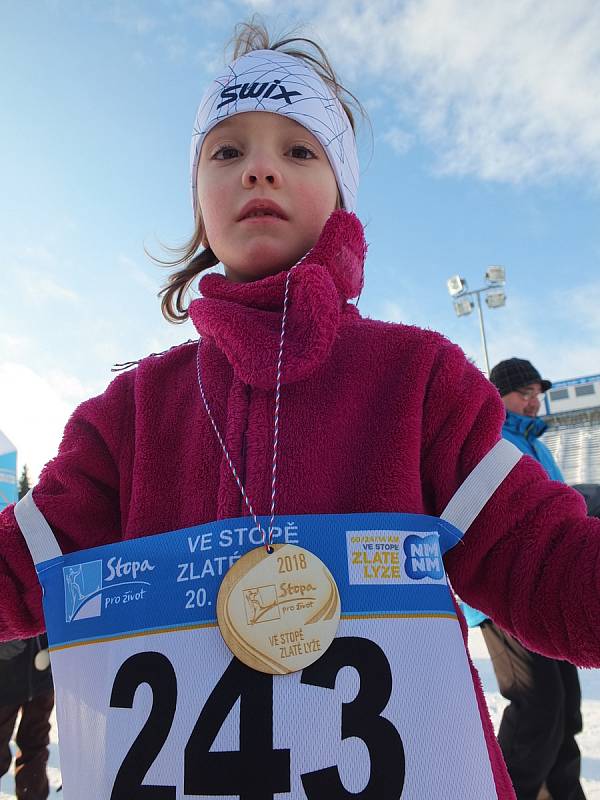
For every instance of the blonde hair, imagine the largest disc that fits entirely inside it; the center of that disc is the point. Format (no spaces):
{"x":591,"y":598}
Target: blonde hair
{"x":248,"y":36}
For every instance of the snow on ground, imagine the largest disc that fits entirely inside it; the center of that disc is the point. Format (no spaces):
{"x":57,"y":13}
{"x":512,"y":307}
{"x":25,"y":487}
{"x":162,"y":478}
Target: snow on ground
{"x":589,"y":740}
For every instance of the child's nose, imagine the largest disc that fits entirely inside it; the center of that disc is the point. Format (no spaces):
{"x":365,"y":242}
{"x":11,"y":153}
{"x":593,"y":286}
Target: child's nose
{"x":252,"y":179}
{"x":260,"y":171}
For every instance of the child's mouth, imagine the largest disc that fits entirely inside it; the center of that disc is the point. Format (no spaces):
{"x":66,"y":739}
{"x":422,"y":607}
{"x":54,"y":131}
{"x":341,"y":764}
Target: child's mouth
{"x":262,"y":210}
{"x":253,"y":214}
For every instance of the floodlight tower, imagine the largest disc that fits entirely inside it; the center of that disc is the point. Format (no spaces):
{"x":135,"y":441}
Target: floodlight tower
{"x":495,"y":278}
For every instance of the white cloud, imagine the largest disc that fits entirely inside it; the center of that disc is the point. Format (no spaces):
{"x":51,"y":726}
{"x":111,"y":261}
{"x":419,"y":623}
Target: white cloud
{"x":582,"y":303}
{"x":261,"y":6}
{"x":34,"y":410}
{"x":174,"y":46}
{"x":39,"y":255}
{"x":205,"y":10}
{"x":373,"y":103}
{"x":13,"y":346}
{"x":33,"y":269}
{"x":169,"y":336}
{"x":503,"y":90}
{"x":132,"y":17}
{"x":393,"y":311}
{"x":42,"y":288}
{"x":139,"y":275}
{"x":398,"y":139}
{"x":173,"y":31}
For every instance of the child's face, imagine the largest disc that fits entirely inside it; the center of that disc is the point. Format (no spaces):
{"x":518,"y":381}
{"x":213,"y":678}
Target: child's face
{"x":265,"y":189}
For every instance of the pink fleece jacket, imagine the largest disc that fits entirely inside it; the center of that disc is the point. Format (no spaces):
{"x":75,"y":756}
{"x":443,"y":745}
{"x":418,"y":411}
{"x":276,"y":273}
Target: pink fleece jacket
{"x":374,"y":417}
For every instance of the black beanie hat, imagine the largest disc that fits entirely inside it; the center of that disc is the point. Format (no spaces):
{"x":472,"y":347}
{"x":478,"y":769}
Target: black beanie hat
{"x":514,"y":373}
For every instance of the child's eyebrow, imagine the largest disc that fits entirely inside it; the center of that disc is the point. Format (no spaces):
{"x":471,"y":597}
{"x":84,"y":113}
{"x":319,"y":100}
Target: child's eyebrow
{"x":230,"y":122}
{"x":222,"y":131}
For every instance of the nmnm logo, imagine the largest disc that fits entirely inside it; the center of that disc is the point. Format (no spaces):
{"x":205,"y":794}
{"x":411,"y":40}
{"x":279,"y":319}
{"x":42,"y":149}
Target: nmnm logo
{"x":423,"y":557}
{"x":83,"y":590}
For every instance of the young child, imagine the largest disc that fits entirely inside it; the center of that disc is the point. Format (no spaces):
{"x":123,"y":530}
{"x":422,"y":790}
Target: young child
{"x":358,"y":420}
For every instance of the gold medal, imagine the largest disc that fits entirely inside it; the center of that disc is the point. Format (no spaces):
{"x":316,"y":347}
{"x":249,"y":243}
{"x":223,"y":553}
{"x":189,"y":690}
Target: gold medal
{"x":278,"y":612}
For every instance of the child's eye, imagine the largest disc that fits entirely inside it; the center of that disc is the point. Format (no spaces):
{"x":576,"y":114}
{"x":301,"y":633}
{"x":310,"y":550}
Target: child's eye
{"x":301,"y":152}
{"x":226,"y":152}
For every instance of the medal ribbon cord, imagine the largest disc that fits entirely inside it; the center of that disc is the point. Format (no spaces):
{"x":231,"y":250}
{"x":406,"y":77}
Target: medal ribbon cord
{"x":267,"y":537}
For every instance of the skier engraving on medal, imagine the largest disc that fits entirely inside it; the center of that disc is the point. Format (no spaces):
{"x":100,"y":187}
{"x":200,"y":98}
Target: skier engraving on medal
{"x":262,"y":604}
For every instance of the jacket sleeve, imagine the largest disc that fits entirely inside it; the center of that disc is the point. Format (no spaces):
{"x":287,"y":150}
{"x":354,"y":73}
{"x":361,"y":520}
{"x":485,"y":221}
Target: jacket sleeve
{"x":531,"y":559}
{"x":79,"y":495}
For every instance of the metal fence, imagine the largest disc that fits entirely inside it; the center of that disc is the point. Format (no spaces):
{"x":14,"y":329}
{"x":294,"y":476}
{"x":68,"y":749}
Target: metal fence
{"x":574,"y":440}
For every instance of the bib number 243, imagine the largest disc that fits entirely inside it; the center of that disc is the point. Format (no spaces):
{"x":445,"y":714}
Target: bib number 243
{"x":256,"y":771}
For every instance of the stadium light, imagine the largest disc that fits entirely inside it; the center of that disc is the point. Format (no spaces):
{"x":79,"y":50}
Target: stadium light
{"x":457,"y":285}
{"x":463,"y":306}
{"x":495,"y":277}
{"x":495,"y":299}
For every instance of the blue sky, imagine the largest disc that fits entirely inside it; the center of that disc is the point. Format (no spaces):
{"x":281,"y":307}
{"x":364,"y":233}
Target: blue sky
{"x":485,"y":149}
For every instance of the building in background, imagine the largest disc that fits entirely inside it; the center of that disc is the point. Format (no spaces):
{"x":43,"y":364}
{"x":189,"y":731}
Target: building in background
{"x":8,"y":472}
{"x":572,"y":414}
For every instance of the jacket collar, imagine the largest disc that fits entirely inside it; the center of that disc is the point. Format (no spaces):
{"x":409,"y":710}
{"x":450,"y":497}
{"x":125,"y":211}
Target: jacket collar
{"x":524,"y":426}
{"x":244,"y":319}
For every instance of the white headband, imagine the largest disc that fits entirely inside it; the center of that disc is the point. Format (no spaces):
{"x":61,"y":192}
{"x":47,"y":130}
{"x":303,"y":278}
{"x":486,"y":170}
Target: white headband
{"x":267,"y":80}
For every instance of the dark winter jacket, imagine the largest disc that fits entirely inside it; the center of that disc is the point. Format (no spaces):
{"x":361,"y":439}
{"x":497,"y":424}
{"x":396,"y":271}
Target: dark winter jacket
{"x":20,"y":678}
{"x":591,"y":494}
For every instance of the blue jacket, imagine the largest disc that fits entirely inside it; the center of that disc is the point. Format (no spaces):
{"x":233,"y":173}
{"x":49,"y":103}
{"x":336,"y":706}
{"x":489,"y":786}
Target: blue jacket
{"x":524,"y":432}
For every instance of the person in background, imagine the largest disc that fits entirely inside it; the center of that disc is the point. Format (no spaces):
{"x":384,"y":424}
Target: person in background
{"x":537,"y":732}
{"x":26,"y":687}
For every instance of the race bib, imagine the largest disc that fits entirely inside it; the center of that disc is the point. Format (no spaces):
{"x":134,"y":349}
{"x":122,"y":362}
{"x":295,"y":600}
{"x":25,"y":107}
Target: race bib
{"x":152,"y":706}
